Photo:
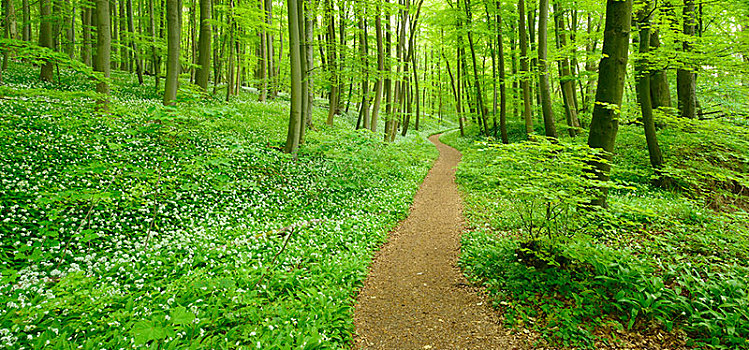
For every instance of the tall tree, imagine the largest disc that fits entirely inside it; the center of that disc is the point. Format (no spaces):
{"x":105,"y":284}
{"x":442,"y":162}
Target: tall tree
{"x":46,"y":37}
{"x":477,"y":85}
{"x":364,"y":77}
{"x":380,"y":69}
{"x":174,"y":28}
{"x":295,"y":59}
{"x":133,"y":42}
{"x":643,"y":80}
{"x":502,"y":80}
{"x":103,"y":46}
{"x":332,"y":62}
{"x":686,"y":87}
{"x":613,"y":67}
{"x":525,"y":70}
{"x":543,"y":76}
{"x":660,"y":92}
{"x":204,"y":45}
{"x":565,"y":74}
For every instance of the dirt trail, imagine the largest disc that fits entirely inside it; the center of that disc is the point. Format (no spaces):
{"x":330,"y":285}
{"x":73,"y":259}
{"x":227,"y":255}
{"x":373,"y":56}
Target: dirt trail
{"x":415,"y":296}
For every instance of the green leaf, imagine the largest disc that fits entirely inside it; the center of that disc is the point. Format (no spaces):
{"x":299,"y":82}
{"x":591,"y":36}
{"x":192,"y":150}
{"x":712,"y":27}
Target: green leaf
{"x":180,"y":316}
{"x":145,"y":331}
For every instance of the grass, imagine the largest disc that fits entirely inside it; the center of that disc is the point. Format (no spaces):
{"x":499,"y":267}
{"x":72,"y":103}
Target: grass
{"x":658,"y":262}
{"x":185,"y":227}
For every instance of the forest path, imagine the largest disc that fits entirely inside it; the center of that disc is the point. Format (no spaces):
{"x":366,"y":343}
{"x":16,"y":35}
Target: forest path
{"x":416,"y":297}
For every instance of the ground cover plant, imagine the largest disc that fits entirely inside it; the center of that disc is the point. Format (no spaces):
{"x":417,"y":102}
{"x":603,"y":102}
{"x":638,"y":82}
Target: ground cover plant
{"x":658,"y":262}
{"x":186,"y":227}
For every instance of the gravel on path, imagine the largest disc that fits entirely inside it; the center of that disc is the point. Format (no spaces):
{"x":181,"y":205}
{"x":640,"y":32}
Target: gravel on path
{"x":416,"y":297}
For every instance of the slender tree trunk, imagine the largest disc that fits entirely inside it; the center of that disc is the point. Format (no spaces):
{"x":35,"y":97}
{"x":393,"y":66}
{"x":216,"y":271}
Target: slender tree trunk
{"x":686,"y":86}
{"x":416,"y":92}
{"x":302,"y":19}
{"x":364,"y":108}
{"x":133,"y":45}
{"x":262,"y":70}
{"x":613,"y":68}
{"x":477,"y":85}
{"x":502,"y":78}
{"x":103,"y":48}
{"x":156,"y":61}
{"x":174,"y":26}
{"x":524,"y":70}
{"x":380,"y":70}
{"x":309,"y":29}
{"x":660,"y":92}
{"x":565,"y":79}
{"x":204,"y":45}
{"x":332,"y":63}
{"x":543,"y":76}
{"x":643,"y":78}
{"x":295,"y":118}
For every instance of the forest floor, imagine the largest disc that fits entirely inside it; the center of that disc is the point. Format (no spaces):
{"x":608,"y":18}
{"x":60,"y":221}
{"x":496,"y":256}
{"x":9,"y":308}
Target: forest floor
{"x":416,"y":297}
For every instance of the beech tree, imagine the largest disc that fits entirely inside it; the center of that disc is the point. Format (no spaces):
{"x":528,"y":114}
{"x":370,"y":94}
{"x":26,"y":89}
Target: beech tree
{"x":613,"y":67}
{"x":174,"y":28}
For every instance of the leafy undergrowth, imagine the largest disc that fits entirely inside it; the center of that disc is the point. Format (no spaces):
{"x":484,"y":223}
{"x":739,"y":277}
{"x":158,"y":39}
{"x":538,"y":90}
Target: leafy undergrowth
{"x":185,"y":227}
{"x":659,"y":264}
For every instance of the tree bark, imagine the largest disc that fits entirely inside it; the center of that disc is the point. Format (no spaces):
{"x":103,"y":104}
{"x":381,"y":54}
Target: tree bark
{"x":332,"y":63}
{"x":565,"y":78}
{"x":643,"y":79}
{"x":103,"y":48}
{"x":524,"y":70}
{"x":380,"y":70}
{"x":502,"y":80}
{"x":26,"y":28}
{"x":543,"y":76}
{"x":45,"y":37}
{"x":660,"y":92}
{"x":477,"y":85}
{"x":613,"y":68}
{"x":174,"y":26}
{"x":686,"y":86}
{"x":295,"y":117}
{"x":204,"y":45}
{"x":133,"y":44}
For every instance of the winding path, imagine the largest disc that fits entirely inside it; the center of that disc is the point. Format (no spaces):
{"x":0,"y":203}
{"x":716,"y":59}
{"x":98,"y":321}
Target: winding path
{"x":415,"y":296}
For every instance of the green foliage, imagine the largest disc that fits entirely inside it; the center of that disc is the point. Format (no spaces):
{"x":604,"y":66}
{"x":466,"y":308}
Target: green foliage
{"x":654,"y":259}
{"x":163,"y":227}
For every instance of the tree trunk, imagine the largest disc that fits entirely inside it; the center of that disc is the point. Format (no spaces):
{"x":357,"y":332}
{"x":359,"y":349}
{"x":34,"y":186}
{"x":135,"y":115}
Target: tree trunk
{"x":524,"y":70}
{"x":502,"y":82}
{"x":477,"y":86}
{"x":380,"y":70}
{"x":332,"y":63}
{"x":643,"y":78}
{"x":154,"y":52}
{"x":309,"y":30}
{"x":133,"y":45}
{"x":45,"y":37}
{"x":565,"y":79}
{"x":363,"y":57}
{"x":613,"y":68}
{"x":10,"y":32}
{"x":295,"y":117}
{"x":26,"y":29}
{"x":103,"y":47}
{"x":543,"y":76}
{"x":660,"y":92}
{"x":204,"y":45}
{"x":686,"y":77}
{"x":174,"y":27}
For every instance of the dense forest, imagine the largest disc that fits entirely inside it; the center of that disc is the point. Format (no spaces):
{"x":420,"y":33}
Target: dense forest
{"x":220,"y":173}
